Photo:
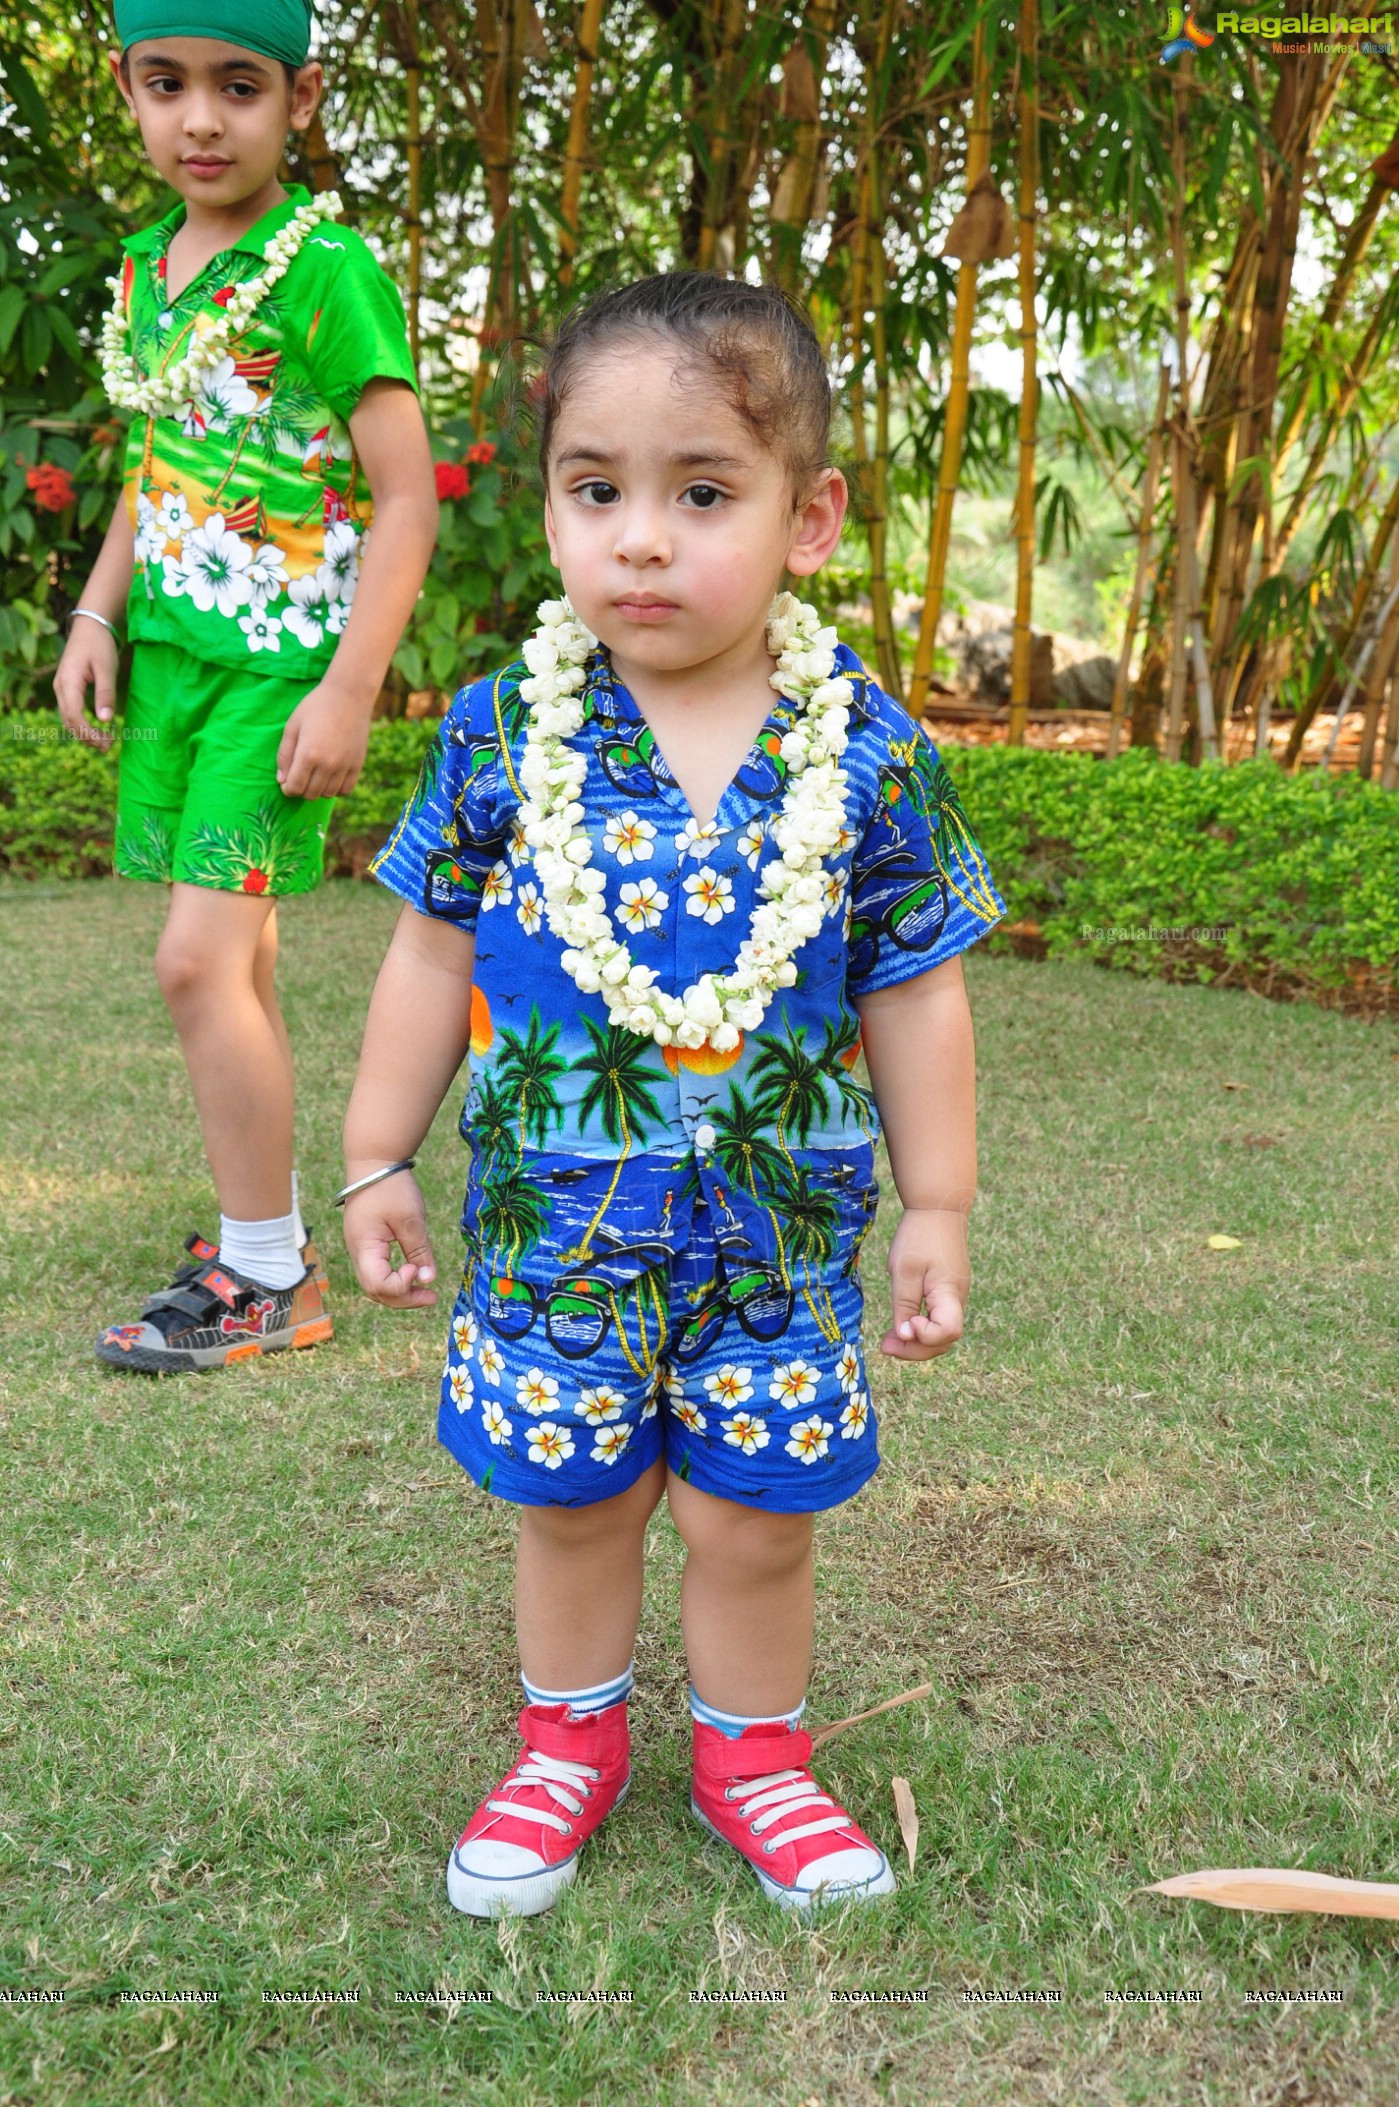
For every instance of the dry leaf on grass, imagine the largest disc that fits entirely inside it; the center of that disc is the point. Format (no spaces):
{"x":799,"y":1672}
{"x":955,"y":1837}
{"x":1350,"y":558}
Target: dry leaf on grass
{"x":908,"y":1818}
{"x":838,"y":1726}
{"x":1266,"y":1887}
{"x":1225,"y":1243}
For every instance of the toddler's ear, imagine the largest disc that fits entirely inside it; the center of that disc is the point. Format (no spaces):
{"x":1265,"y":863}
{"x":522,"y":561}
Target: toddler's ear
{"x":818,"y":524}
{"x":549,"y":534}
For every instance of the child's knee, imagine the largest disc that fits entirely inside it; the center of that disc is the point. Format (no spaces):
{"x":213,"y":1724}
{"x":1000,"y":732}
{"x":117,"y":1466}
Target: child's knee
{"x":601,"y":1521}
{"x":753,"y":1544}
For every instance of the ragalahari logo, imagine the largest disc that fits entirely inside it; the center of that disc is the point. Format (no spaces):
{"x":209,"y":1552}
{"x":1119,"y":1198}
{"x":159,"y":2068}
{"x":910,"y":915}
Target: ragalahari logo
{"x":1185,"y":35}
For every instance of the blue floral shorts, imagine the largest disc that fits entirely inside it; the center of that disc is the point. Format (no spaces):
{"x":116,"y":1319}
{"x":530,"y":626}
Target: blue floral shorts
{"x":655,"y":1320}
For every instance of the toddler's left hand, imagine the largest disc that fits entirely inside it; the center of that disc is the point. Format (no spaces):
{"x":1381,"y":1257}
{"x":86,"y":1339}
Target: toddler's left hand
{"x":322,"y":749}
{"x":929,"y":1271}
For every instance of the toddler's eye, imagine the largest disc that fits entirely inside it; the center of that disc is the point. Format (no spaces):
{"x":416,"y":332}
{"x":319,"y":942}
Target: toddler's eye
{"x":596,"y":492}
{"x":704,"y":497}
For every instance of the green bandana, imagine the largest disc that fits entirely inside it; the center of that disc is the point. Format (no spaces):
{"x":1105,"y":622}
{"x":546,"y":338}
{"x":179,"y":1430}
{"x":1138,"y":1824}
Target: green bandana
{"x":279,"y":29}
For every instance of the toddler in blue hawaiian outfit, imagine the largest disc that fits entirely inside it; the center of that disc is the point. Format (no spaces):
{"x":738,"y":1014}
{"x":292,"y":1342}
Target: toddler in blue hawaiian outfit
{"x":666,"y":878}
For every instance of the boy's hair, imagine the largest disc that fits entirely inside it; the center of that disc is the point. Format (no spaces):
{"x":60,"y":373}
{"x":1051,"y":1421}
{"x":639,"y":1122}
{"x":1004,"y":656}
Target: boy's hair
{"x":289,"y":73}
{"x":752,"y":339}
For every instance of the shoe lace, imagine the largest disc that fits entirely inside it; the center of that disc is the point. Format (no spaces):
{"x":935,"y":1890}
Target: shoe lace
{"x":782,"y":1793}
{"x":569,"y":1784}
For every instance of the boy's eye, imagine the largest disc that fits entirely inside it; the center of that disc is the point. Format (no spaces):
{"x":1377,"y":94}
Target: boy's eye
{"x":596,"y":492}
{"x":704,"y":496}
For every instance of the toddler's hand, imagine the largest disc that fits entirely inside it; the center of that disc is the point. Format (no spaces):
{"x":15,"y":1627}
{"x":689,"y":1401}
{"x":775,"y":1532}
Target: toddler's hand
{"x":375,"y":1220}
{"x":89,"y":661}
{"x":323,"y":746}
{"x":930,"y":1273}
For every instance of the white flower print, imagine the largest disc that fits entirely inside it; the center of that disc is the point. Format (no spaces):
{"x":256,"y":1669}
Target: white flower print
{"x":794,"y":1383}
{"x":610,"y":1443}
{"x":498,"y":886}
{"x":263,"y":631}
{"x":747,"y":1432}
{"x":494,"y":1421}
{"x":628,"y":838}
{"x":549,"y":1444}
{"x":491,"y":1362}
{"x":731,"y":1386}
{"x":337,"y":614}
{"x":174,"y":517}
{"x":750,"y":842}
{"x":536,"y":1391}
{"x":833,"y":892}
{"x":459,"y":1386}
{"x":150,"y":536}
{"x":711,"y":897}
{"x":848,"y":1368}
{"x":695,"y":840}
{"x":845,"y":839}
{"x":855,"y":1418}
{"x":810,"y":1438}
{"x":339,"y":573}
{"x":529,"y":909}
{"x":599,"y":1404}
{"x":517,"y":848}
{"x":689,"y":1415}
{"x":226,"y":394}
{"x":464,"y":1334}
{"x":267,"y":573}
{"x":648,"y":1410}
{"x":212,"y":568}
{"x":641,"y":906}
{"x":305,"y":617}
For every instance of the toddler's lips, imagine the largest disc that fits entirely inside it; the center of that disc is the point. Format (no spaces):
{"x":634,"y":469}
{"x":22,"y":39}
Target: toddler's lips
{"x":646,"y":610}
{"x":208,"y":169}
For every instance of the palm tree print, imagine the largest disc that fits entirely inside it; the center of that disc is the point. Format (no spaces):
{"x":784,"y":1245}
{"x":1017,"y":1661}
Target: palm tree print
{"x":146,"y":851}
{"x":853,"y":1102}
{"x":492,"y":1120}
{"x":955,"y":847}
{"x":812,"y":1222}
{"x":792,"y":1091}
{"x":529,"y":1069}
{"x":275,"y":851}
{"x":514,"y":1213}
{"x":745,"y":1148}
{"x":622,"y":1095}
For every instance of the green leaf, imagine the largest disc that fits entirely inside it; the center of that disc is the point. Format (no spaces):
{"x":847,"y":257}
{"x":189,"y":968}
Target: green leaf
{"x":14,"y":299}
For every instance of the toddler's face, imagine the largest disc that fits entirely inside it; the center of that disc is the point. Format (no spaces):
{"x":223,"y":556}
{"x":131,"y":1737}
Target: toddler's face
{"x":214,"y":117}
{"x":670,"y":522}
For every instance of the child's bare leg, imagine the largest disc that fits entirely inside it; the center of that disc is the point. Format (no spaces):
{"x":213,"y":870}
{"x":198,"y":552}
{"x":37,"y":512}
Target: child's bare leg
{"x":747,"y":1602}
{"x":239,"y":1062}
{"x":578,"y":1586}
{"x":265,"y":982}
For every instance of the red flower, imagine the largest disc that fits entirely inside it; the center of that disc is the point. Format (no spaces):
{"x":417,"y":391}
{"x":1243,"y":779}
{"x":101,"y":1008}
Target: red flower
{"x":255,"y":882}
{"x":452,"y":480}
{"x":52,"y":487}
{"x":482,"y":453}
{"x":224,"y":295}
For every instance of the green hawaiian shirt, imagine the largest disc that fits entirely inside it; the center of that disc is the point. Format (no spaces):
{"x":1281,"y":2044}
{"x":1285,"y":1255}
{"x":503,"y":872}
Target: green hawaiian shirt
{"x":248,"y":504}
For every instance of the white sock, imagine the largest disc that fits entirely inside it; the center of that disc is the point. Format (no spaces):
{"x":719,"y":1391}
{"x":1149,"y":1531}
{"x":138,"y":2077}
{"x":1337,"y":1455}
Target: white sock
{"x":598,"y":1697}
{"x":266,"y":1251}
{"x":299,"y":1227}
{"x":733,"y":1724}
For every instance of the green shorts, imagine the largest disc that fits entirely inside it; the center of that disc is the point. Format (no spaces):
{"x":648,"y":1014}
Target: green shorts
{"x":197,"y":794}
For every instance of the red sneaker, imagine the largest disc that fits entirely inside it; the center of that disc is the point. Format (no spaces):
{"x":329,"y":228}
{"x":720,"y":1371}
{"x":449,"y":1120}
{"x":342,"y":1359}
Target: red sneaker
{"x":757,"y":1794}
{"x":520,"y":1849}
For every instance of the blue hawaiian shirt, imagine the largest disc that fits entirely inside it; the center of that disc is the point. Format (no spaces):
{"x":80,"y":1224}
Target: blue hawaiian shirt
{"x":776,"y":1137}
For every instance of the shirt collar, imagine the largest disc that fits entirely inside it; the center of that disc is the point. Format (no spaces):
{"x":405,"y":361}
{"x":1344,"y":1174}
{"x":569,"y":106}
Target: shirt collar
{"x":254,"y":242}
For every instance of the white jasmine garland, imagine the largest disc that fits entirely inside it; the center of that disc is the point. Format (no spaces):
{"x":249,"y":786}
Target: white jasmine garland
{"x":719,"y":1007}
{"x":165,"y":393}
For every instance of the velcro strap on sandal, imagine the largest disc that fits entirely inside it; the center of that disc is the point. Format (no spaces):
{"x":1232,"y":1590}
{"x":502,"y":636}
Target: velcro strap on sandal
{"x":755,"y":1756}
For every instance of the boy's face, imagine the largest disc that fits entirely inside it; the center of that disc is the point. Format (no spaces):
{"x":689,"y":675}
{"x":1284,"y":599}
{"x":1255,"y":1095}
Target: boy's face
{"x":214,"y":117}
{"x":670,"y":522}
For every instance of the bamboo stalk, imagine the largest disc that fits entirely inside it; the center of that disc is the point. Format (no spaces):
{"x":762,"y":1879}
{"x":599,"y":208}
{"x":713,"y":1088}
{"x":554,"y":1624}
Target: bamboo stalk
{"x":1389,"y":767}
{"x":1356,"y":374}
{"x":1382,"y":669}
{"x":575,"y":150}
{"x":1372,"y":665}
{"x":867,"y":288}
{"x":1183,"y":499}
{"x":794,"y":193}
{"x":1146,"y":519}
{"x":1022,"y":637}
{"x":413,"y":81}
{"x":959,"y":390}
{"x":1360,"y":601}
{"x":1180,"y":615}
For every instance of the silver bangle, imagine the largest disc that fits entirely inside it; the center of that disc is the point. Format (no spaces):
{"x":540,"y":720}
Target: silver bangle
{"x":390,"y":1170}
{"x":93,"y":616}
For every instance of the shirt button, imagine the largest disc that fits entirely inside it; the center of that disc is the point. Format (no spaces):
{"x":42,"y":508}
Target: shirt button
{"x":164,"y":319}
{"x":705,"y":1136}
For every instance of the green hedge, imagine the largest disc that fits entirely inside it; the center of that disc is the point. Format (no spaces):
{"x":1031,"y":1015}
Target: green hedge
{"x":1289,"y":883}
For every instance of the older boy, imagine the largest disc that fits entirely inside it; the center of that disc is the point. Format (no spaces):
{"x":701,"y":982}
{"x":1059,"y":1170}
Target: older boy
{"x":263,"y":354}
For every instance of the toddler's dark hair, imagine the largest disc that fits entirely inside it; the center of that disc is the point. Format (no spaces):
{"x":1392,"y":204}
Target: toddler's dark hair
{"x":755,"y":341}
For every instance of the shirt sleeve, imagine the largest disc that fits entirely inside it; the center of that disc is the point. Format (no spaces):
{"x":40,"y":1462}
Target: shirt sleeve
{"x":454,"y":828}
{"x":920,"y":888}
{"x":357,"y":331}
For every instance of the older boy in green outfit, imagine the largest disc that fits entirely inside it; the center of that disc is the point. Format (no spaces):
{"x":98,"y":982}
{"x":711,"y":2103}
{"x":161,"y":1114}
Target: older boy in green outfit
{"x":263,"y":355}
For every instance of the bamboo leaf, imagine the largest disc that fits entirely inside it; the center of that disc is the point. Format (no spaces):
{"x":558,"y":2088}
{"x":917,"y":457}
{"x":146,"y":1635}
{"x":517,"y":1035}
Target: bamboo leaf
{"x":1267,"y":1888}
{"x":908,"y":1818}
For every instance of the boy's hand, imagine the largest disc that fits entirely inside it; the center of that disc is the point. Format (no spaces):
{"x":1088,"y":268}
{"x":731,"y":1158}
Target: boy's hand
{"x":89,"y":661}
{"x":383,"y":1215}
{"x":322,"y":749}
{"x":929,"y":1271}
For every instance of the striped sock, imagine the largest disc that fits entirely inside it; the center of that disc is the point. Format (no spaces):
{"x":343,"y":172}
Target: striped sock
{"x":732,"y":1724}
{"x":600,"y":1697}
